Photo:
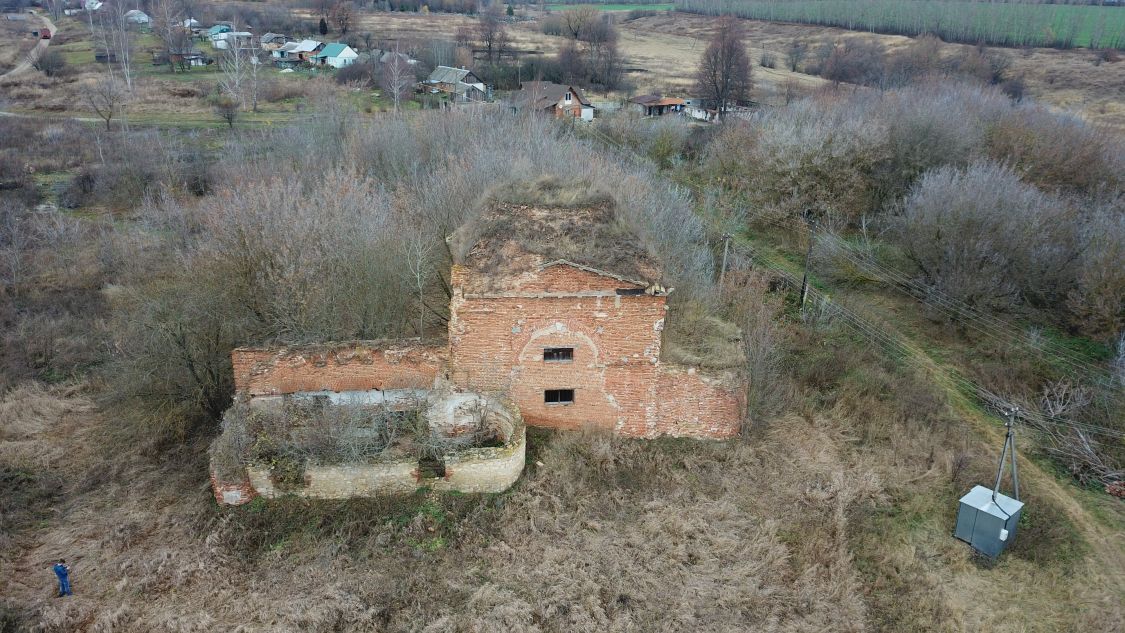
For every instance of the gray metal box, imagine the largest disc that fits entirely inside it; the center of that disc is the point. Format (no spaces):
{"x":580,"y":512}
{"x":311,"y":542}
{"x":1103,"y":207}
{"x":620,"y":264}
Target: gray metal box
{"x":986,"y":525}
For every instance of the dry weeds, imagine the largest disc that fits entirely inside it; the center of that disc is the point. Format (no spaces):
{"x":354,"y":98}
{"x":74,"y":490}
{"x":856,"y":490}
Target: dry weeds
{"x":834,"y":520}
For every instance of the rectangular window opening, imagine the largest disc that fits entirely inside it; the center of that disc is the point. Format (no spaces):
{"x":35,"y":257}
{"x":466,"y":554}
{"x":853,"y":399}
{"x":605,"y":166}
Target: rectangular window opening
{"x":558,"y":354}
{"x":558,"y":396}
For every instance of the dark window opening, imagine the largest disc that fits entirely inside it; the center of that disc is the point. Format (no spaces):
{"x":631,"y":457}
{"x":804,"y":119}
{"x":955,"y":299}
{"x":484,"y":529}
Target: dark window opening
{"x":431,"y":468}
{"x":558,"y":354}
{"x":558,"y":396}
{"x":629,"y":292}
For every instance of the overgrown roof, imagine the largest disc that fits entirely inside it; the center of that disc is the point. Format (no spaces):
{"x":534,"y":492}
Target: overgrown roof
{"x":544,"y":223}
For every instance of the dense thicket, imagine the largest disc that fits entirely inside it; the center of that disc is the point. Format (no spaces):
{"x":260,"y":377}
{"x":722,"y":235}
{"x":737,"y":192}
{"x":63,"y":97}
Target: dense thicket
{"x":856,"y":160}
{"x":354,"y":249}
{"x":998,"y":23}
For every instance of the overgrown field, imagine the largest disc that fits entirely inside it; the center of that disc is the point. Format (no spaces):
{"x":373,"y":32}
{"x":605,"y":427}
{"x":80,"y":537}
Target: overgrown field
{"x":132,"y":261}
{"x":996,"y":23}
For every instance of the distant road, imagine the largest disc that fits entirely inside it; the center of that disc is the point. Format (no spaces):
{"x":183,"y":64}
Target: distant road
{"x":40,"y":46}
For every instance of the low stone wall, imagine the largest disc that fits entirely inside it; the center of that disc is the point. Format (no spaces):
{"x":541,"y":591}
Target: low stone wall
{"x":485,"y":469}
{"x":341,"y":482}
{"x":471,"y":470}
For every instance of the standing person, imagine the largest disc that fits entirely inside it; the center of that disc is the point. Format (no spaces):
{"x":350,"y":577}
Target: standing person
{"x":62,"y":570}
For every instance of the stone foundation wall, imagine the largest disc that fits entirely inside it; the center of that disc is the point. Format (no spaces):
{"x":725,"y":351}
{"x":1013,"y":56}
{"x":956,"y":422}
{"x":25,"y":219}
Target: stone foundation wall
{"x":472,"y":470}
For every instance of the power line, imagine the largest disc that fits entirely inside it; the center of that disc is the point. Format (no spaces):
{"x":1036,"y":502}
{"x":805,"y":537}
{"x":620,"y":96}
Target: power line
{"x":979,"y":321}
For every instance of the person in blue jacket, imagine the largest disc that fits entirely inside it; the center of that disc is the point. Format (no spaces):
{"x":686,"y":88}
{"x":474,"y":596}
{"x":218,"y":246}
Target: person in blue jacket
{"x":62,"y":570}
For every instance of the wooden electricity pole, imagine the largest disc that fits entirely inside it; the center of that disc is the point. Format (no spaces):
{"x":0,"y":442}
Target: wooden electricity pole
{"x":808,"y":258}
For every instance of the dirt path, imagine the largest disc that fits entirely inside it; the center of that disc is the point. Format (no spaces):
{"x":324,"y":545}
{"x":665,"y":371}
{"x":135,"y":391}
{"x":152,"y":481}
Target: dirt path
{"x":35,"y":52}
{"x":1106,"y":542}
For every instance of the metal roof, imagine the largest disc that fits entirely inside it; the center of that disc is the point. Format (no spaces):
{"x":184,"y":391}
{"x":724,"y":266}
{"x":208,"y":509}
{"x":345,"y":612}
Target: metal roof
{"x":449,"y":75}
{"x":981,"y":498}
{"x":306,"y":46}
{"x":335,"y":49}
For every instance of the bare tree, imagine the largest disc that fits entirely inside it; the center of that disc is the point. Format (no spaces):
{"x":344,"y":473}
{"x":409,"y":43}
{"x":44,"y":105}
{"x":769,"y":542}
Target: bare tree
{"x":341,"y":15}
{"x":227,"y":107}
{"x":724,"y":72}
{"x":106,"y":97}
{"x":167,"y":25}
{"x":397,"y":78}
{"x":491,"y":32}
{"x":795,"y":53}
{"x":117,"y":39}
{"x":419,"y":256}
{"x":576,"y":19}
{"x":15,"y":242}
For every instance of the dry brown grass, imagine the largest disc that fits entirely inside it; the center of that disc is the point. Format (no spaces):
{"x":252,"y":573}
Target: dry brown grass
{"x":1068,"y":79}
{"x":664,"y":51}
{"x":832,"y":517}
{"x":16,"y":41}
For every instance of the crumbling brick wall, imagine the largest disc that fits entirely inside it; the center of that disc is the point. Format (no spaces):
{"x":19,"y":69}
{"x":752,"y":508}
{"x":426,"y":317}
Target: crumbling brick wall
{"x":497,"y":338}
{"x":355,"y":366}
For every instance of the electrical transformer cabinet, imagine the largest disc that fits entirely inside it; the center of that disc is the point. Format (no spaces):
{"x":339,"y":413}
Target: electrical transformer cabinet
{"x":989,"y":526}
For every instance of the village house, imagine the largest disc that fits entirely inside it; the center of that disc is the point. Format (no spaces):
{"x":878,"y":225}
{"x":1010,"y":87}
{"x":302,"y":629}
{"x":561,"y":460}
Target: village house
{"x":233,"y":40}
{"x":385,"y":56}
{"x":698,"y":110}
{"x":272,"y":41}
{"x":218,"y":32}
{"x":305,"y":50}
{"x":656,"y":105}
{"x":561,"y":101}
{"x":459,"y":83}
{"x":336,"y":55}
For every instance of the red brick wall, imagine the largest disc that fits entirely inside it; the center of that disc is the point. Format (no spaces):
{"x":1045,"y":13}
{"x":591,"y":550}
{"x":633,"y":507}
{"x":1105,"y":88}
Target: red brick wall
{"x":354,"y":366}
{"x":497,"y":343}
{"x":691,"y":405}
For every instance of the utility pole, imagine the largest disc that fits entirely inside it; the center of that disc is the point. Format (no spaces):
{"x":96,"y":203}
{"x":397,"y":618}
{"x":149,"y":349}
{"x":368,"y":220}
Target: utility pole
{"x":1009,"y":445}
{"x":726,"y":249}
{"x":808,"y":257}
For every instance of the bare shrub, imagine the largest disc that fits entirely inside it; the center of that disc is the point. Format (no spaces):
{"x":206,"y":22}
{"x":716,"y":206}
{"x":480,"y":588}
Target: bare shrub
{"x":51,"y":63}
{"x":986,"y":238}
{"x":274,"y":91}
{"x":763,"y":336}
{"x":1058,"y":151}
{"x":810,"y":155}
{"x":856,"y":60}
{"x":362,"y":74}
{"x":1096,"y":301}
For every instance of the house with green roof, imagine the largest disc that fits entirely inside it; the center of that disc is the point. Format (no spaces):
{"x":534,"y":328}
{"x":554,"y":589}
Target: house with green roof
{"x":336,"y":55}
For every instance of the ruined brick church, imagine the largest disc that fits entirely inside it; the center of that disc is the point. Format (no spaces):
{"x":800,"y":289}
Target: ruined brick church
{"x":573,"y":342}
